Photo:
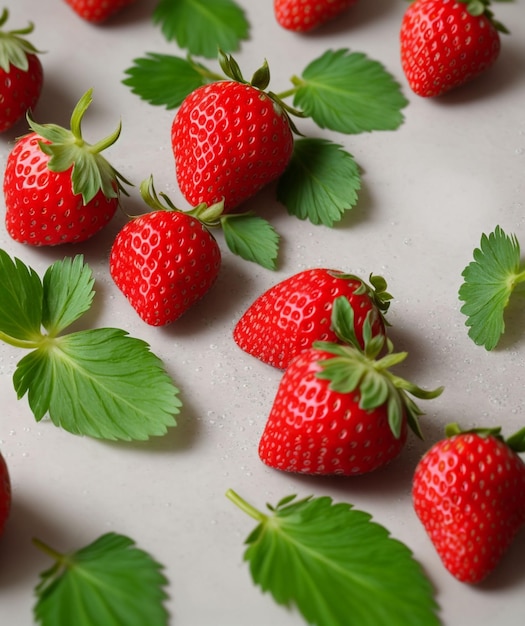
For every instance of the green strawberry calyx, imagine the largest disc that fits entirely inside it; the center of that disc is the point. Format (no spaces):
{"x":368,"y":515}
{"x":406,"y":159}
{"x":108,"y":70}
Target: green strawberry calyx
{"x":376,"y":290}
{"x":367,"y":370}
{"x":14,"y":47}
{"x":67,"y":149}
{"x":260,"y":80}
{"x":209,"y":216}
{"x":478,"y":8}
{"x":515,"y":442}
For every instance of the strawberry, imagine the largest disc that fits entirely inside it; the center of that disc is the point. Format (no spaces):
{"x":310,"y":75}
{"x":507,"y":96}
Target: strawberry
{"x":57,"y":187}
{"x":469,"y":493}
{"x":230,"y":138}
{"x":338,"y":409}
{"x":305,"y":15}
{"x":5,"y":494}
{"x":165,"y":260}
{"x":21,"y":74}
{"x":446,"y":43}
{"x":98,"y":10}
{"x":291,"y":315}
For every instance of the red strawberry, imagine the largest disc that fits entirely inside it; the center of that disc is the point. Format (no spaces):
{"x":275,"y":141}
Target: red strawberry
{"x":305,"y":15}
{"x":230,"y":139}
{"x":446,"y":43}
{"x":338,"y":410}
{"x":21,"y":74}
{"x":469,"y":493}
{"x":5,"y":494}
{"x":98,"y":10}
{"x":165,"y":260}
{"x":57,"y":187}
{"x":290,"y":316}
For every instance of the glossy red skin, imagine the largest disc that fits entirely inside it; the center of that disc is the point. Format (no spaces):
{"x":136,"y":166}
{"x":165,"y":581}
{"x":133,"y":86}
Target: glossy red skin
{"x":41,"y":208}
{"x":290,"y":316}
{"x":305,"y":15}
{"x":5,"y":494}
{"x":98,"y":10}
{"x":443,"y":46}
{"x":469,"y":493}
{"x":229,"y":140}
{"x":19,"y":91}
{"x":314,"y":430}
{"x":164,"y":262}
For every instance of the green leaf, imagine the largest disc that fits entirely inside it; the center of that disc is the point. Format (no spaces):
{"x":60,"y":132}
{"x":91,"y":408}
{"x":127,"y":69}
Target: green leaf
{"x":489,"y":281}
{"x":252,"y":238}
{"x":21,"y":295}
{"x":202,"y":26}
{"x":350,"y":93}
{"x":110,"y":582}
{"x":320,"y":183}
{"x":164,"y":80}
{"x":101,"y":383}
{"x":68,"y":293}
{"x":337,"y":566}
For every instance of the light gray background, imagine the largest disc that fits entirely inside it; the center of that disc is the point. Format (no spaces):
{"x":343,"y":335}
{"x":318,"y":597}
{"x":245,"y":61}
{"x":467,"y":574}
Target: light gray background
{"x":455,"y":169}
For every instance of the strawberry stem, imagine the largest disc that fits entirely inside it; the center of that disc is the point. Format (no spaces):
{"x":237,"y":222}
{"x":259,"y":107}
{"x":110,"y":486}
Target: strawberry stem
{"x":244,"y":506}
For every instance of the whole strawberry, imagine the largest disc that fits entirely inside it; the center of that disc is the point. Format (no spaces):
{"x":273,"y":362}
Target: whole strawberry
{"x":57,"y":187}
{"x":305,"y":15}
{"x":21,"y":74}
{"x":98,"y":10}
{"x":338,"y":409}
{"x":469,"y":493}
{"x":230,"y":138}
{"x":165,"y":260}
{"x":5,"y":494}
{"x":290,"y":316}
{"x":446,"y":43}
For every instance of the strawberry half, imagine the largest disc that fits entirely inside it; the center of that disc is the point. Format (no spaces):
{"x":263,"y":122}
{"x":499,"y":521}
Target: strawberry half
{"x":306,"y":15}
{"x":5,"y":494}
{"x":21,"y":74}
{"x":57,"y":187}
{"x":230,"y":138}
{"x":469,"y":493}
{"x":446,"y":43}
{"x":165,"y":260}
{"x":338,"y":409}
{"x":97,"y":10}
{"x":290,"y":316}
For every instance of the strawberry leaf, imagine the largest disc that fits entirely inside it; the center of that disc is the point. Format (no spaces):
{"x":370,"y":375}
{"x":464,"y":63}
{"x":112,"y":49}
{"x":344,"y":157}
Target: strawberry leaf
{"x":251,"y":237}
{"x":20,"y":301}
{"x":68,"y":289}
{"x":110,"y":582}
{"x":87,"y":391}
{"x":163,"y":79}
{"x":489,"y":281}
{"x":336,"y":565}
{"x":201,"y":26}
{"x":102,"y":382}
{"x":320,"y":183}
{"x":350,"y":93}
